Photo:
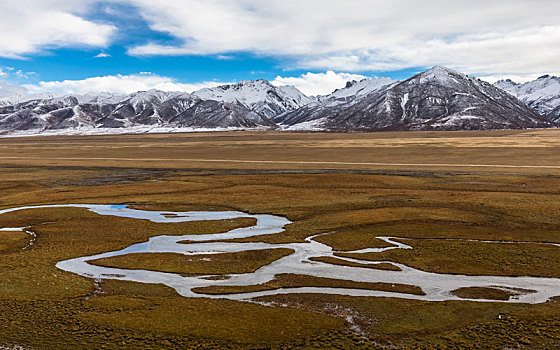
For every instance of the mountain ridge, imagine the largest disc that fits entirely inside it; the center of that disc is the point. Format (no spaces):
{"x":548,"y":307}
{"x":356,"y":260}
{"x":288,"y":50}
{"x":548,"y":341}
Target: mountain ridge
{"x":437,"y":99}
{"x":541,"y":94}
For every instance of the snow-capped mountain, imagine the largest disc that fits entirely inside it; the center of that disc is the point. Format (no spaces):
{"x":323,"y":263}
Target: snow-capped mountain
{"x":257,"y":95}
{"x":142,"y":110}
{"x":542,"y":94}
{"x":12,"y":94}
{"x":438,"y":99}
{"x":355,"y":90}
{"x":508,"y":85}
{"x":103,"y":97}
{"x":352,"y":93}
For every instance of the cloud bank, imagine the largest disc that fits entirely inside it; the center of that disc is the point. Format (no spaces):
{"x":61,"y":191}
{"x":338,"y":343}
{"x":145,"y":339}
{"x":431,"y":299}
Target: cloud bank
{"x":309,"y":83}
{"x":313,"y":84}
{"x":498,"y":38}
{"x":478,"y":36}
{"x":34,"y":25}
{"x":122,"y":84}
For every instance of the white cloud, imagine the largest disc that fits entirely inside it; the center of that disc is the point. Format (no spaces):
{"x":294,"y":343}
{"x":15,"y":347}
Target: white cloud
{"x":102,"y":55}
{"x":123,"y":84}
{"x":6,"y":72}
{"x":225,"y":57}
{"x":34,"y":25}
{"x":9,"y":90}
{"x":309,"y":84}
{"x":23,"y":75}
{"x":518,"y":78}
{"x":318,"y":83}
{"x":477,"y":36}
{"x":527,"y":52}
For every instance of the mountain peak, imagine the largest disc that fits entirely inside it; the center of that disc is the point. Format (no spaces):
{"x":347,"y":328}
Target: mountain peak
{"x":351,"y":83}
{"x":440,"y":74}
{"x":541,"y":94}
{"x":258,"y":95}
{"x":253,"y":82}
{"x":509,"y":81}
{"x":440,"y":68}
{"x":440,"y":71}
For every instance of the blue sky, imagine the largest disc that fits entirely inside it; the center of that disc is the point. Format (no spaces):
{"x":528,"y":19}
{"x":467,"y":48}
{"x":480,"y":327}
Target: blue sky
{"x":90,"y":45}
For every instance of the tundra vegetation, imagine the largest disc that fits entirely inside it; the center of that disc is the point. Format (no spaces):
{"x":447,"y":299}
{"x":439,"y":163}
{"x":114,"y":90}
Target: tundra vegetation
{"x":419,"y":187}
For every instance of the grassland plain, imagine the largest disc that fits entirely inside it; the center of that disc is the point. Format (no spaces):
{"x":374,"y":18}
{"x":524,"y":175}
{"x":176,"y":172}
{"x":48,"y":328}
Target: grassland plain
{"x":502,"y":185}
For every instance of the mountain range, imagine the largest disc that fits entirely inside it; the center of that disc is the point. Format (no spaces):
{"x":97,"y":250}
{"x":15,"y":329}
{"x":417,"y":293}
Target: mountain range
{"x":437,"y":99}
{"x":542,"y":94}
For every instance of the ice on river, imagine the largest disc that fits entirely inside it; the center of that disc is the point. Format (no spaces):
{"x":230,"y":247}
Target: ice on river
{"x":438,"y":287}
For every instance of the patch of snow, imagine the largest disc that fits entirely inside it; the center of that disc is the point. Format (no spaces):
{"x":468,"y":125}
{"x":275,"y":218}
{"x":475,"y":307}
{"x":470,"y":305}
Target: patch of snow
{"x":137,"y":129}
{"x":404,"y":100}
{"x":455,"y":119}
{"x":11,"y":347}
{"x":13,"y":229}
{"x":312,"y":125}
{"x":354,"y":90}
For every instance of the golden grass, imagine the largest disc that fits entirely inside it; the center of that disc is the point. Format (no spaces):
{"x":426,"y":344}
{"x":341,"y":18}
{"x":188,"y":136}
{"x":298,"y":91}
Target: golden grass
{"x":483,"y":293}
{"x":13,"y":241}
{"x":341,"y":262}
{"x":286,"y":280}
{"x":411,"y":324}
{"x":138,"y":315}
{"x":473,"y":258}
{"x":183,"y":150}
{"x":160,"y":312}
{"x":339,"y":190}
{"x":204,"y":264}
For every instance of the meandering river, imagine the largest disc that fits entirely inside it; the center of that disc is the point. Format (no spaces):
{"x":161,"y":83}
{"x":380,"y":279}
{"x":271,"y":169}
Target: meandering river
{"x":438,"y":287}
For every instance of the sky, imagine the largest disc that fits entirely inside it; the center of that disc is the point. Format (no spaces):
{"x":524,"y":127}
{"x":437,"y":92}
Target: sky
{"x":123,"y":46}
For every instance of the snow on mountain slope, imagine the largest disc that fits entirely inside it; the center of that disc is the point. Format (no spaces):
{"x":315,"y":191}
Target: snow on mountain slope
{"x":438,"y":99}
{"x":142,"y":98}
{"x":294,"y":95}
{"x":12,"y":97}
{"x":103,"y":97}
{"x":149,"y":109}
{"x":355,"y":90}
{"x":258,"y":95}
{"x":508,"y":86}
{"x":542,"y":94}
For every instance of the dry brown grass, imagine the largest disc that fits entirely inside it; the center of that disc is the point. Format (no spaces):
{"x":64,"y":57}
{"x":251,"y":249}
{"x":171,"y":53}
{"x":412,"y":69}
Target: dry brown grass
{"x":483,"y":293}
{"x":324,"y":183}
{"x":296,"y":281}
{"x":204,"y":264}
{"x":13,"y":241}
{"x":335,"y":261}
{"x":176,"y":150}
{"x":474,"y":258}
